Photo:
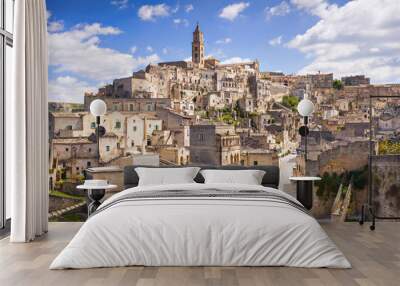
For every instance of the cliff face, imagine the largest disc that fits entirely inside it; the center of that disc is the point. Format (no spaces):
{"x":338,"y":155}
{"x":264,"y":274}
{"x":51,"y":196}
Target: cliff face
{"x":386,"y":184}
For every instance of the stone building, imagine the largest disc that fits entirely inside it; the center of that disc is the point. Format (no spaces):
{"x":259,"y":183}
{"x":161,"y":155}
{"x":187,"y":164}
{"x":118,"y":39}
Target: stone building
{"x":247,"y":103}
{"x":172,"y":120}
{"x":214,"y":145}
{"x":198,"y":47}
{"x":355,"y":80}
{"x":73,"y":155}
{"x":254,"y":157}
{"x":110,"y":147}
{"x":389,"y":121}
{"x":139,"y":132}
{"x":174,"y":154}
{"x":129,"y":104}
{"x":64,"y":123}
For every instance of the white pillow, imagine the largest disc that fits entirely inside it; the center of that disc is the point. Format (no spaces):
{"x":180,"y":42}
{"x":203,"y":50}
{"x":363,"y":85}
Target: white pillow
{"x":166,"y":176}
{"x":248,"y":177}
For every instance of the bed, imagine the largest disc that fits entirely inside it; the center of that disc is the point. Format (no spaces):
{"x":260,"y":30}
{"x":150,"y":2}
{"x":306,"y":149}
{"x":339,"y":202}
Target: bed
{"x":197,"y":224}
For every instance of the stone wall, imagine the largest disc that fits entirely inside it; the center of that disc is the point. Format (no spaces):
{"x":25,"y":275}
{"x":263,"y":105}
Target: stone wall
{"x":386,"y":184}
{"x":203,"y":149}
{"x":351,"y":156}
{"x":57,"y":203}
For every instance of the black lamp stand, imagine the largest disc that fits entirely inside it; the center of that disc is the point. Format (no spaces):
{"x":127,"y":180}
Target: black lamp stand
{"x":98,"y":138}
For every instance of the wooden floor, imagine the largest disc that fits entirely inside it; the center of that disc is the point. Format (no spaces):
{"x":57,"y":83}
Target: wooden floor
{"x":375,"y":257}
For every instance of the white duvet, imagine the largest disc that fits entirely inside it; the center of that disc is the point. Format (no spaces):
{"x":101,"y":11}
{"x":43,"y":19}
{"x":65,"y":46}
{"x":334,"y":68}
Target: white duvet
{"x":202,"y":232}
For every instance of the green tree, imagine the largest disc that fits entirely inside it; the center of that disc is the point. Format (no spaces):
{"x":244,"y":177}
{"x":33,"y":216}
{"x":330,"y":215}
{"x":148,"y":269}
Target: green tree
{"x":337,"y":84}
{"x":387,"y":147}
{"x":290,"y":101}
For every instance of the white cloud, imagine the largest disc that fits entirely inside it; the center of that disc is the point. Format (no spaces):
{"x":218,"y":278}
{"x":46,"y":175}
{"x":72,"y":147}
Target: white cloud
{"x":55,"y":26}
{"x":78,"y":51}
{"x":143,"y":61}
{"x":360,"y":37}
{"x":319,"y":8}
{"x":183,"y":22}
{"x":276,"y":41}
{"x":236,"y":60}
{"x":133,"y":49}
{"x":121,"y":4}
{"x":281,"y":9}
{"x":232,"y":11}
{"x":189,"y":8}
{"x":224,"y":41}
{"x":176,"y":9}
{"x":68,"y":89}
{"x":151,"y":12}
{"x":149,"y":49}
{"x":78,"y":55}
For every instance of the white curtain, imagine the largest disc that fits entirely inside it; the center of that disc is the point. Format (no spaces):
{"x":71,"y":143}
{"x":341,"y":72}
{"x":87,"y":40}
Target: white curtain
{"x":27,"y":124}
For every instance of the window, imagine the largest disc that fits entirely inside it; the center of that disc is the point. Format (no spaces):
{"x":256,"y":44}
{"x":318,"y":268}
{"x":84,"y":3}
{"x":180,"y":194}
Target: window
{"x":6,"y":43}
{"x":130,"y":107}
{"x":118,"y":125}
{"x":132,"y":143}
{"x":93,"y":125}
{"x":108,"y":148}
{"x":134,"y":128}
{"x":90,"y":150}
{"x":255,"y":163}
{"x":66,"y":149}
{"x":118,"y":145}
{"x":89,"y":164}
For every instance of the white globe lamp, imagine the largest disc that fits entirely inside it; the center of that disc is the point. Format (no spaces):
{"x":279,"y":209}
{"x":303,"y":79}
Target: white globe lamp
{"x":98,"y":107}
{"x":305,"y":107}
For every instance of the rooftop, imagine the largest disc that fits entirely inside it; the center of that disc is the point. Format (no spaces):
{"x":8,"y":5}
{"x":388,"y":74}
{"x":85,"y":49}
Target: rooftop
{"x":67,"y":114}
{"x":72,"y":140}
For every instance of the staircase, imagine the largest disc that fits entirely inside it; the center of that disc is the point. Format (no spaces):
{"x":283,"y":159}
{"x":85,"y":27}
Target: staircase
{"x":342,"y":201}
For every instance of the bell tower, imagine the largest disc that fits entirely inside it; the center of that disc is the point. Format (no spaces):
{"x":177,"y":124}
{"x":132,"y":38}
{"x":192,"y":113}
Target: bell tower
{"x":198,"y":47}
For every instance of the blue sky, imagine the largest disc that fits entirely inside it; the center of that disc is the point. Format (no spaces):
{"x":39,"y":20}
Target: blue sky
{"x":92,"y":42}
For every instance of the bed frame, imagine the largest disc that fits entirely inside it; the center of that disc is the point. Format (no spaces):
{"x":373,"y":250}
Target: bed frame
{"x":270,"y":179}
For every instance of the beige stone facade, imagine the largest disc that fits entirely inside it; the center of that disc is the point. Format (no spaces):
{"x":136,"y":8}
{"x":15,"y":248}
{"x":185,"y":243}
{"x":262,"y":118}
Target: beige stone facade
{"x":254,"y":157}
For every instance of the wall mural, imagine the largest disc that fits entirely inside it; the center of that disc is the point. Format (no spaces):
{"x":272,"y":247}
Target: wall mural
{"x":181,"y":88}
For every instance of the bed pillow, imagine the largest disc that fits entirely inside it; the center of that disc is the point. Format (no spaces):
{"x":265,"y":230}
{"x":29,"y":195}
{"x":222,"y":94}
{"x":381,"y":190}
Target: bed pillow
{"x":166,"y":176}
{"x":248,"y":177}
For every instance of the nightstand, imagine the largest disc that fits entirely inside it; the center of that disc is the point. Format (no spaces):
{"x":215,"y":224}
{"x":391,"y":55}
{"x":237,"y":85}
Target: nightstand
{"x":96,"y":190}
{"x":304,"y":190}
